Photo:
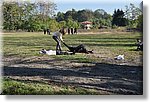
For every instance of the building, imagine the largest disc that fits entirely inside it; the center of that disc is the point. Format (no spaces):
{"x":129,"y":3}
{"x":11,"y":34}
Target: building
{"x":87,"y":24}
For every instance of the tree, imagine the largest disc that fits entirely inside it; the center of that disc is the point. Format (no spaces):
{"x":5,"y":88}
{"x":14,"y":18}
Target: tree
{"x":96,"y":22}
{"x":11,"y":15}
{"x":68,"y":15}
{"x":100,"y":13}
{"x":70,"y":23}
{"x":140,"y":22}
{"x":46,"y":10}
{"x":119,"y":19}
{"x":53,"y":25}
{"x":62,"y":24}
{"x":132,"y":13}
{"x":84,"y":15}
{"x":60,"y":16}
{"x":27,"y":16}
{"x":99,"y":17}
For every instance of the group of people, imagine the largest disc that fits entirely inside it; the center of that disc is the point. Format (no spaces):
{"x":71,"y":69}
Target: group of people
{"x":69,"y":30}
{"x":72,"y":31}
{"x":47,"y":31}
{"x":57,"y":36}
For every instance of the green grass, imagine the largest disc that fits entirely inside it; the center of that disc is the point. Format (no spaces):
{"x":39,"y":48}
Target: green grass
{"x":13,"y":87}
{"x":29,"y":44}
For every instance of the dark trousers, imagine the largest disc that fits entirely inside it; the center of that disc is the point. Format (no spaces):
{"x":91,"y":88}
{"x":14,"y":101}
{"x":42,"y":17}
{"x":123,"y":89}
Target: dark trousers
{"x":80,"y":48}
{"x":58,"y":46}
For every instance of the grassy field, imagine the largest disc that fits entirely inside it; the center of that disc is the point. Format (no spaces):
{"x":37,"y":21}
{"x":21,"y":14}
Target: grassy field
{"x":29,"y":44}
{"x":13,"y":87}
{"x":21,"y":50}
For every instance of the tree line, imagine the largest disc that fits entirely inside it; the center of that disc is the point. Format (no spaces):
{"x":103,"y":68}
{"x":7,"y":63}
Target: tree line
{"x":37,"y":16}
{"x":28,"y":16}
{"x":99,"y":17}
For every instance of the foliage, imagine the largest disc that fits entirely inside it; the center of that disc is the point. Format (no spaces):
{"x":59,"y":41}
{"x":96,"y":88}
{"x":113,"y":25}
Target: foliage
{"x":27,"y":16}
{"x":62,"y":24}
{"x":37,"y":16}
{"x":71,"y":23}
{"x":99,"y":17}
{"x":140,"y":23}
{"x":132,"y":13}
{"x":53,"y":25}
{"x":119,"y":19}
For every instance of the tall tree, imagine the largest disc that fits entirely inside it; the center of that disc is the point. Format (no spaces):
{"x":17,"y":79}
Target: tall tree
{"x":140,"y":22}
{"x":132,"y":13}
{"x":46,"y":10}
{"x":85,"y":15}
{"x":99,"y":17}
{"x":11,"y":15}
{"x":60,"y":16}
{"x":27,"y":16}
{"x":119,"y":19}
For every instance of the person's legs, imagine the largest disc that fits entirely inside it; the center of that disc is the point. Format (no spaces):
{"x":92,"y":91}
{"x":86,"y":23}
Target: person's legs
{"x":58,"y":46}
{"x":78,"y":49}
{"x":71,"y":49}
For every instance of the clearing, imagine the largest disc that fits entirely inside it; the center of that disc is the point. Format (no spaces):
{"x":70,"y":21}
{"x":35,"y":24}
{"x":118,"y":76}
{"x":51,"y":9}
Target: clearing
{"x":96,"y":73}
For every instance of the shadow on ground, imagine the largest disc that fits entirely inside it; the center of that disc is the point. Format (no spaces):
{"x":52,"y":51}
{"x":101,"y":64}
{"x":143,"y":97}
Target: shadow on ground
{"x":118,"y":79}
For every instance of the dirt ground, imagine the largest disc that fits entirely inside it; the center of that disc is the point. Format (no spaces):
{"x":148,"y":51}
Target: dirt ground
{"x":122,"y":78}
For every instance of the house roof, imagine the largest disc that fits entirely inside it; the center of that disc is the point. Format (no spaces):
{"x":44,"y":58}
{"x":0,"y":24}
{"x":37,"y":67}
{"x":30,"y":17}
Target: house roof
{"x":86,"y":22}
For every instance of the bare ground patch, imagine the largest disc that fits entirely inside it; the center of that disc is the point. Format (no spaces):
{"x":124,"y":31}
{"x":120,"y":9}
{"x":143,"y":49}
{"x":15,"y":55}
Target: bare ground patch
{"x":112,"y":78}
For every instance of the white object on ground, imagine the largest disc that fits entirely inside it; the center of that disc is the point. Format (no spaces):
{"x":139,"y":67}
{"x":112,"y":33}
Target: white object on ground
{"x":48,"y":52}
{"x":120,"y":57}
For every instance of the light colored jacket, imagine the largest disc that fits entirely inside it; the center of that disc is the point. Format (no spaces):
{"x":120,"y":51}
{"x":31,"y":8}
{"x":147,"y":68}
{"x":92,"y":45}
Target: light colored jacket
{"x":58,"y":34}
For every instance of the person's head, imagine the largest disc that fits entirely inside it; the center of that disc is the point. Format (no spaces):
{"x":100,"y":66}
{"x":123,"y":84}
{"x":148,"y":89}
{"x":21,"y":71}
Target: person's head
{"x":62,"y":30}
{"x":138,"y":40}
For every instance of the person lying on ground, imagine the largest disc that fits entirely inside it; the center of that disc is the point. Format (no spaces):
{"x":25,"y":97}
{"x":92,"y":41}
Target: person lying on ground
{"x":78,"y":49}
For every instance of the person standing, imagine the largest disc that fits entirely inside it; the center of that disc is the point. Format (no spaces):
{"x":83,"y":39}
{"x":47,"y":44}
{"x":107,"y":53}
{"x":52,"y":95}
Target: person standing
{"x":68,"y":30}
{"x":71,"y":30}
{"x":44,"y":31}
{"x":48,"y":31}
{"x":75,"y":30}
{"x":57,"y":36}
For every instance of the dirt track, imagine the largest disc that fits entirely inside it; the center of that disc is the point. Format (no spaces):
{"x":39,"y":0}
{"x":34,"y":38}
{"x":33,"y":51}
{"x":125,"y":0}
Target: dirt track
{"x":112,"y":78}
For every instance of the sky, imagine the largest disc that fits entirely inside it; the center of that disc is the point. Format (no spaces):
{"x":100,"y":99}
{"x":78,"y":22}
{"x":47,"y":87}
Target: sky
{"x":108,"y":5}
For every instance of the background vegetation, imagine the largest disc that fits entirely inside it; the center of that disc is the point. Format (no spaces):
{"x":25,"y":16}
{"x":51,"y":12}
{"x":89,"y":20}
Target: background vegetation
{"x":26,"y":16}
